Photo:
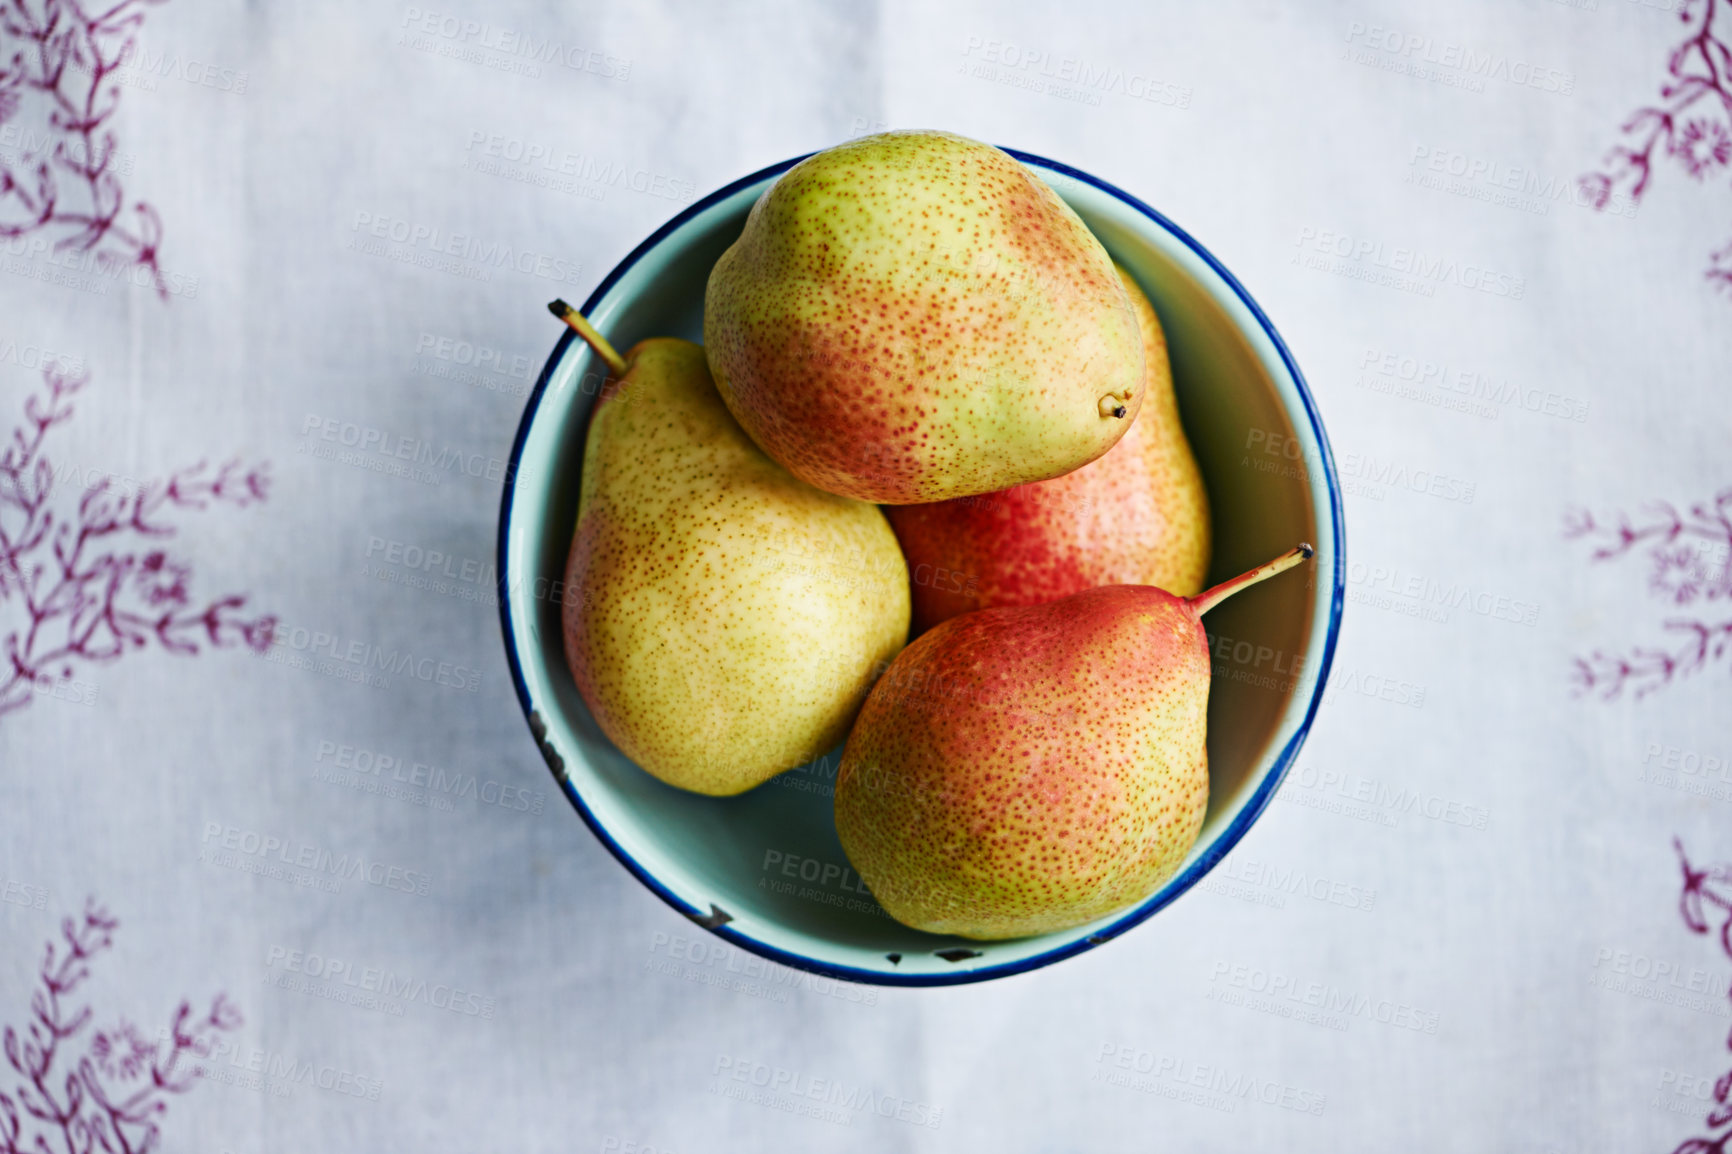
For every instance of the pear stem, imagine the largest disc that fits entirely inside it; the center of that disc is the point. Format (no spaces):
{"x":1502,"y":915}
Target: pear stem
{"x":587,"y":331}
{"x":1209,"y":598}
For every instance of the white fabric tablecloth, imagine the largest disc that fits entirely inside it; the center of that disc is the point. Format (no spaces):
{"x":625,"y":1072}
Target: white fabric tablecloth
{"x":1457,"y":928}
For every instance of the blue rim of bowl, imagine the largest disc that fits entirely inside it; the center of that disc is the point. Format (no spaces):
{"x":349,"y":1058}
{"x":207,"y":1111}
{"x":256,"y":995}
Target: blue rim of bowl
{"x":1176,"y":886}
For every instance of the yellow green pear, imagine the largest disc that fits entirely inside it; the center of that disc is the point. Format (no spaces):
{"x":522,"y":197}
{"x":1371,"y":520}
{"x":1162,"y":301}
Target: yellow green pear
{"x":723,"y":619}
{"x":916,"y":316}
{"x":1029,"y":768}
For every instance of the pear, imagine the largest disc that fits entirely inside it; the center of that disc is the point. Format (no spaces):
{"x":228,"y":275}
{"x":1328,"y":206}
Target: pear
{"x":1137,"y":516}
{"x":915,"y":316}
{"x":1029,"y":768}
{"x":723,"y":619}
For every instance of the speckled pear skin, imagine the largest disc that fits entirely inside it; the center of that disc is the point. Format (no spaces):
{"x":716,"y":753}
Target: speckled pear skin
{"x":1025,"y":769}
{"x":1137,"y":516}
{"x":915,"y":316}
{"x":723,"y":619}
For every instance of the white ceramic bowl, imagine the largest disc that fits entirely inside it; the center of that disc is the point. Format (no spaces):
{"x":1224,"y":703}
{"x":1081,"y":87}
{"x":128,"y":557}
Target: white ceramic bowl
{"x":765,"y":870}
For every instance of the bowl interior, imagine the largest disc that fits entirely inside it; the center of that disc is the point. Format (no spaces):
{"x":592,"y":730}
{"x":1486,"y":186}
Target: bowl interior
{"x":769,"y":861}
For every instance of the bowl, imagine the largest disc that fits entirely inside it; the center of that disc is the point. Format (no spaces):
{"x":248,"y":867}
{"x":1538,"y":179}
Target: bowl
{"x":765,"y":871}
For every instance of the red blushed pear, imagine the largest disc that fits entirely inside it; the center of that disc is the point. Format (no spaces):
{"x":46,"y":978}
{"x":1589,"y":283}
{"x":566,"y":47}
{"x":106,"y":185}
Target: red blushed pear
{"x":1137,"y":516}
{"x":916,"y":316}
{"x":1026,"y":769}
